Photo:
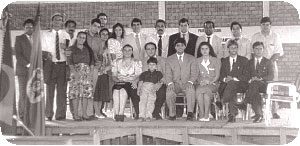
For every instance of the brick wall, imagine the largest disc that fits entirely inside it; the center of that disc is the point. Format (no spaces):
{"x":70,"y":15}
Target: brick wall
{"x":283,"y":13}
{"x":221,"y":12}
{"x":289,"y":65}
{"x":83,"y":12}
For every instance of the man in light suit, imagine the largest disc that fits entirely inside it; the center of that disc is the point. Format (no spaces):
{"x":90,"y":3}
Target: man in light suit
{"x":23,"y":46}
{"x":160,"y":38}
{"x":209,"y":36}
{"x":137,"y":39}
{"x":181,"y":74}
{"x":234,"y":78}
{"x":261,"y":71}
{"x":160,"y":88}
{"x":189,"y":38}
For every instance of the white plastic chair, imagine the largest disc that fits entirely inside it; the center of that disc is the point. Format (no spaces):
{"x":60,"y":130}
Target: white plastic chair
{"x":273,"y":95}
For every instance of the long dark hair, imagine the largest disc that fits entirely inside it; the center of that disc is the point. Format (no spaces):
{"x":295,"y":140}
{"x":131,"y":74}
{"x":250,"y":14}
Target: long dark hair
{"x":85,"y":44}
{"x":211,"y":50}
{"x":113,"y":35}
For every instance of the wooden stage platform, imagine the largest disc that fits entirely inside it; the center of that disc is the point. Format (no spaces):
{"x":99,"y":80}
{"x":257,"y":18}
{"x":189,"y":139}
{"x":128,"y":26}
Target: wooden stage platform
{"x":107,"y":131}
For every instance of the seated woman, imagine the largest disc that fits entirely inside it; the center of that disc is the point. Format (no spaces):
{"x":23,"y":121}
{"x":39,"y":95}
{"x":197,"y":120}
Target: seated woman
{"x":209,"y":70}
{"x":125,"y":72}
{"x":81,"y":65}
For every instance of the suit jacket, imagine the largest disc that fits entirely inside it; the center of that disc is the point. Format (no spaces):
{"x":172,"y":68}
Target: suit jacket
{"x":239,"y":70}
{"x":23,"y":51}
{"x":213,"y":69}
{"x":165,"y":43}
{"x":181,"y":74}
{"x":161,"y":65}
{"x":130,"y":39}
{"x":216,"y":44}
{"x":264,"y":69}
{"x":190,"y":47}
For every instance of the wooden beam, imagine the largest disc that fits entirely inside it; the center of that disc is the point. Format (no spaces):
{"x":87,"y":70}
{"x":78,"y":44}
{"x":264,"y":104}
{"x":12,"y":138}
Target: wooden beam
{"x":198,"y":141}
{"x":282,"y":132}
{"x":139,"y":136}
{"x":185,"y":136}
{"x":96,"y":137}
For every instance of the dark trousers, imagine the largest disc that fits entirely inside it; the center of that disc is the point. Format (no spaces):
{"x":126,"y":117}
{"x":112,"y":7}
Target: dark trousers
{"x":57,"y":82}
{"x":228,"y":91}
{"x":160,"y":99}
{"x":22,"y":95}
{"x":253,"y":97}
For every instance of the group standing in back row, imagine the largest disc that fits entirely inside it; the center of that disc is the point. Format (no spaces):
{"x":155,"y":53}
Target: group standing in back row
{"x":95,"y":66}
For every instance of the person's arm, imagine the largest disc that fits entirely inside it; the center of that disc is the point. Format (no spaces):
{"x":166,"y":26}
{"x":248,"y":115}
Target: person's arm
{"x":217,"y":70}
{"x":270,"y":70}
{"x":19,"y":53}
{"x":194,"y":72}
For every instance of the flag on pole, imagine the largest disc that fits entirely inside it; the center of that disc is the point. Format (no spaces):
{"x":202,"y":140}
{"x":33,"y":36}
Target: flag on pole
{"x":34,"y":117}
{"x":7,"y":78}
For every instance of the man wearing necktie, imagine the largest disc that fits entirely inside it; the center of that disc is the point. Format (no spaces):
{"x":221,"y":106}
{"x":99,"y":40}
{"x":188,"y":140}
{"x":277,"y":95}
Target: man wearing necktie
{"x":23,"y":46}
{"x":54,"y":43}
{"x":181,"y":74}
{"x":189,"y":38}
{"x":261,"y":71}
{"x":211,"y":38}
{"x":234,"y":78}
{"x":160,"y":38}
{"x":137,"y":39}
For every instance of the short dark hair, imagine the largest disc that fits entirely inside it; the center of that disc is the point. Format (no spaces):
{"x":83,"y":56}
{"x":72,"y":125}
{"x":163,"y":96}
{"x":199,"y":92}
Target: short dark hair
{"x":152,"y":60}
{"x":28,"y":21}
{"x":160,"y":20}
{"x":113,"y":35}
{"x":235,"y":23}
{"x":136,"y":20}
{"x":150,"y":43}
{"x":57,"y":14}
{"x":70,"y":21}
{"x":206,"y":22}
{"x":255,"y":44}
{"x":101,"y":14}
{"x":265,"y":19}
{"x":232,"y":42}
{"x":180,"y":40}
{"x":103,"y":29}
{"x":183,"y":20}
{"x":95,"y":20}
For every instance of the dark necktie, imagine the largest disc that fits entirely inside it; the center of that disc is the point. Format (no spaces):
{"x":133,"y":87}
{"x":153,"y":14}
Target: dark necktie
{"x":159,"y":46}
{"x":233,"y":64}
{"x":256,"y":66}
{"x":137,"y":41}
{"x":183,"y":35}
{"x":208,"y":39}
{"x":57,"y":47}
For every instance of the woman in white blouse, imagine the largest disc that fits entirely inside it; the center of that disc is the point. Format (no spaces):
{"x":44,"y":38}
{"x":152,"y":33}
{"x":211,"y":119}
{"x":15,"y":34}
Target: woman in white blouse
{"x":209,"y":71}
{"x":115,"y":42}
{"x":125,"y":73}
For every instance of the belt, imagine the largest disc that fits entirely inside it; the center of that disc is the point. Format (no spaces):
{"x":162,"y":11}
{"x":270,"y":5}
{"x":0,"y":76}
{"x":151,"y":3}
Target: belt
{"x":63,"y":62}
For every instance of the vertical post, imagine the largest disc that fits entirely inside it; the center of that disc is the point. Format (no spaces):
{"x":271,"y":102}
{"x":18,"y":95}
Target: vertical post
{"x":282,"y":132}
{"x":266,"y":8}
{"x":234,"y":136}
{"x":185,"y":136}
{"x":96,"y":137}
{"x":161,"y":10}
{"x":139,"y":136}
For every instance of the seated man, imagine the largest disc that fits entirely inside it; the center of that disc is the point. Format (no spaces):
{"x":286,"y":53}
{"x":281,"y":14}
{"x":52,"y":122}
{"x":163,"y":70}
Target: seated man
{"x":261,"y":71}
{"x":181,"y":74}
{"x":234,"y":78}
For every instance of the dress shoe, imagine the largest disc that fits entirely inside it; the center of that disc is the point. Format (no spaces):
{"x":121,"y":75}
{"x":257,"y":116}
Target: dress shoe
{"x":258,"y":119}
{"x":231,"y":119}
{"x":122,"y":117}
{"x":190,"y":116}
{"x":49,"y":119}
{"x":103,"y":114}
{"x":60,"y":118}
{"x":172,"y":118}
{"x":86,"y":118}
{"x":255,"y":116}
{"x":158,"y":117}
{"x":276,"y":116}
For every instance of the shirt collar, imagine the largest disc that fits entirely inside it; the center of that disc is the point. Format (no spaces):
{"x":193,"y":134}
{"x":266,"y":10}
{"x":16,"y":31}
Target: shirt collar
{"x":231,"y":58}
{"x":54,"y":31}
{"x":180,"y":55}
{"x":211,"y":36}
{"x":259,"y":59}
{"x":186,"y":34}
{"x":160,"y":35}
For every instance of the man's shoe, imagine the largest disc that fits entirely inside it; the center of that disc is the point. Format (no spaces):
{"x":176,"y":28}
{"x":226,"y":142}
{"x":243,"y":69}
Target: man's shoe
{"x":231,"y":119}
{"x":258,"y":119}
{"x":49,"y":119}
{"x":60,"y":118}
{"x":190,"y":116}
{"x":255,"y":116}
{"x":103,"y":114}
{"x":172,"y":118}
{"x":276,"y":116}
{"x":158,"y":117}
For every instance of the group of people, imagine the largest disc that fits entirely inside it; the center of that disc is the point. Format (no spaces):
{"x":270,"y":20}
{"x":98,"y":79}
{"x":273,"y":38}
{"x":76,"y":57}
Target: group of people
{"x":96,"y":66}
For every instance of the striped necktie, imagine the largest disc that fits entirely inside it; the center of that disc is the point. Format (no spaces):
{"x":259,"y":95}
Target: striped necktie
{"x":57,"y":47}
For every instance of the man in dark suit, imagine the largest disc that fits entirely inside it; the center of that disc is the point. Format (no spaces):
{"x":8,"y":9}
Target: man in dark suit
{"x":234,"y":78}
{"x":23,"y":46}
{"x":261,"y":71}
{"x":190,"y":40}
